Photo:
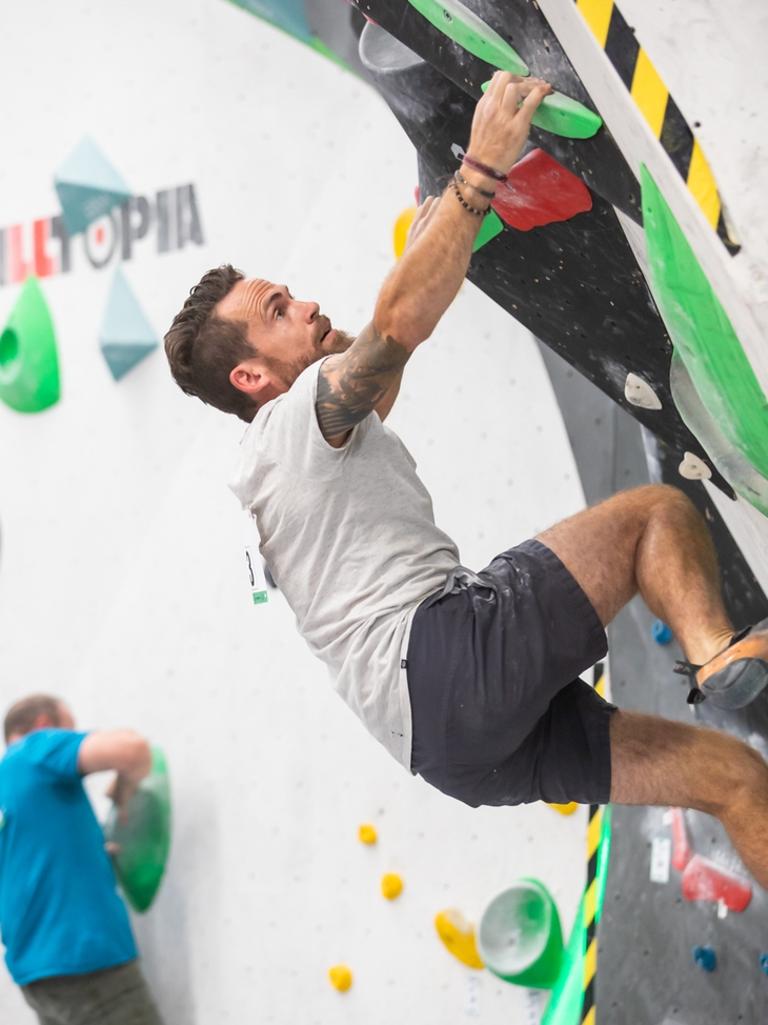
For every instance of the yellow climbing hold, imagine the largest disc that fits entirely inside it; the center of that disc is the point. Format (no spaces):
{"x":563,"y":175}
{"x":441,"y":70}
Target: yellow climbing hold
{"x":391,"y":885}
{"x":341,"y":977}
{"x":458,"y":935}
{"x":402,"y":227}
{"x":367,"y":834}
{"x":565,"y":809}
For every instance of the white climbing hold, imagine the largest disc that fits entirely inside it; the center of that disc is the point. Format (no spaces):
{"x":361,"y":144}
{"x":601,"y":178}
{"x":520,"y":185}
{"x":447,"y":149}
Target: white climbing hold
{"x":693,"y":468}
{"x":639,"y":393}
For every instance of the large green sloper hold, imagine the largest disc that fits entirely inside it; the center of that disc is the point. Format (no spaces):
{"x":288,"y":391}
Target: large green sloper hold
{"x":702,"y":333}
{"x":470,"y":31}
{"x":29,"y":362}
{"x":143,"y":838}
{"x":564,"y":116}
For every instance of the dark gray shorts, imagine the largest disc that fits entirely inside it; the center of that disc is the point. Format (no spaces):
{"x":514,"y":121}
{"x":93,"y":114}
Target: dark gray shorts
{"x":114,"y":996}
{"x":499,"y":714}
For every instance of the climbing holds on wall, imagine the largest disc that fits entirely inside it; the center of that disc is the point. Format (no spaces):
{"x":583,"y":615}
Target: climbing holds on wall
{"x":367,"y":834}
{"x":458,"y":936}
{"x":520,"y":938}
{"x":401,"y":229}
{"x":564,"y":116}
{"x":143,"y":839}
{"x":660,"y":632}
{"x":639,"y":393}
{"x":703,"y":880}
{"x":703,"y":335}
{"x":29,"y":364}
{"x":88,"y":186}
{"x":340,"y":977}
{"x":469,"y":30}
{"x":564,"y":809}
{"x":705,"y":958}
{"x":391,"y":885}
{"x":489,"y":229}
{"x":126,"y":336}
{"x":540,"y":191}
{"x":764,"y":963}
{"x":682,"y":851}
{"x":729,"y":461}
{"x":288,"y":15}
{"x":693,"y":468}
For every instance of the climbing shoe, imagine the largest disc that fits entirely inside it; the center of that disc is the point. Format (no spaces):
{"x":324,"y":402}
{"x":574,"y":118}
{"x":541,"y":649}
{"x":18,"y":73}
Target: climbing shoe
{"x":736,"y":676}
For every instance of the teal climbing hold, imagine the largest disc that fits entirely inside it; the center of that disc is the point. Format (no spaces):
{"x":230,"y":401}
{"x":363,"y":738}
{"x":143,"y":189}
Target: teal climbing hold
{"x":88,"y":186}
{"x":470,"y":31}
{"x":29,"y":362}
{"x":126,"y":336}
{"x":142,"y":836}
{"x":564,"y":116}
{"x":288,"y":15}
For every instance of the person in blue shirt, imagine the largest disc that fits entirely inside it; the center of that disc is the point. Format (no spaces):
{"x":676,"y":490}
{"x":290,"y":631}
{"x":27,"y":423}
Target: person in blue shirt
{"x":67,"y":938}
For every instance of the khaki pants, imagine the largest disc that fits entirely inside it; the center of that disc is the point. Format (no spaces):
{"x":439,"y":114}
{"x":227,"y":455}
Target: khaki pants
{"x":114,"y":996}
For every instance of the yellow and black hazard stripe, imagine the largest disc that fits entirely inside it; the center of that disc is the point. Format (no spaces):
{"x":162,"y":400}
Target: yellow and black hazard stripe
{"x":659,"y":109}
{"x":594,"y":833}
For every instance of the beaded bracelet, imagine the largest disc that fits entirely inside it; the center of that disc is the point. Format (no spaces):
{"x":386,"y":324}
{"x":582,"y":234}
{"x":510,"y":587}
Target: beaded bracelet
{"x":484,"y":168}
{"x":463,"y":181}
{"x":464,"y":203}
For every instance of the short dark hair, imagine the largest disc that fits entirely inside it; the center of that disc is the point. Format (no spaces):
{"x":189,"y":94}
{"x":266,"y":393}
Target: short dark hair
{"x":203,"y":349}
{"x":21,"y":717}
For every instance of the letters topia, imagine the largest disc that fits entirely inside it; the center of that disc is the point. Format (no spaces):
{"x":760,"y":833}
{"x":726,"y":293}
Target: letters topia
{"x":45,"y":247}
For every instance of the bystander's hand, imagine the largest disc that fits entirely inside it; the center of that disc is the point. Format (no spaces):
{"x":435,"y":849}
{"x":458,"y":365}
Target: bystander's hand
{"x":121,"y":790}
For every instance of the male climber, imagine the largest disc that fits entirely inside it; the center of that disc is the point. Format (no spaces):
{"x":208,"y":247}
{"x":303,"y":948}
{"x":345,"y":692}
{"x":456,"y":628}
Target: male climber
{"x":68,"y":940}
{"x":469,"y":679}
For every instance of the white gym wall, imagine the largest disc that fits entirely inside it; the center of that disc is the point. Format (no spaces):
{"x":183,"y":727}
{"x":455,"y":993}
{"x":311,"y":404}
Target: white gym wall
{"x":122,"y":579}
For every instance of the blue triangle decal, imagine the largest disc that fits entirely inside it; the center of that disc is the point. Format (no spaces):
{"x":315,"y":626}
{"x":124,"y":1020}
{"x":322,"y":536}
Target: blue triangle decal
{"x":88,"y":186}
{"x":126,"y":336}
{"x":122,"y":358}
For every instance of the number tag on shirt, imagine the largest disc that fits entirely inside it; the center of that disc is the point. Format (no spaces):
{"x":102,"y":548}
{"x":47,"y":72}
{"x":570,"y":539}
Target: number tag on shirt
{"x":254,"y":566}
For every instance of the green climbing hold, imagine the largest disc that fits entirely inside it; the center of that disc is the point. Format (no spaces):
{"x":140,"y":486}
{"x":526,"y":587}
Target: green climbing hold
{"x":563,"y":116}
{"x":520,"y":938}
{"x":143,"y":840}
{"x":566,"y":1005}
{"x":29,"y":364}
{"x":492,"y":225}
{"x":703,"y":335}
{"x":470,"y":31}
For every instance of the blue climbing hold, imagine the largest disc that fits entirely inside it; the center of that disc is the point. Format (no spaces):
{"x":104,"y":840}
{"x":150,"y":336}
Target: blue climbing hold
{"x":705,"y":958}
{"x":764,"y":962}
{"x":661,"y":632}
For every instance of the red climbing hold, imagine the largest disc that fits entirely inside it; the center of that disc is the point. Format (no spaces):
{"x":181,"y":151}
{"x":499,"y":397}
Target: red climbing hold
{"x":703,"y":880}
{"x":539,"y":191}
{"x":681,"y":847}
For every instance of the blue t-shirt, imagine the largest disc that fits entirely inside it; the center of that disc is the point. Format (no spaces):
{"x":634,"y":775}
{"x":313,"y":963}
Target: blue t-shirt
{"x":60,"y":913}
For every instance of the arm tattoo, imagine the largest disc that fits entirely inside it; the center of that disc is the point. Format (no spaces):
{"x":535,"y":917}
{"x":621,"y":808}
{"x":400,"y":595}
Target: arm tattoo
{"x":350,"y":385}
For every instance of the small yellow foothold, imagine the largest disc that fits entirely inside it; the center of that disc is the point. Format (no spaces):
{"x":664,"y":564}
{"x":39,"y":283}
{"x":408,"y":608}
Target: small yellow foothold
{"x":367,"y":834}
{"x":391,"y":885}
{"x":458,"y":935}
{"x":341,"y":977}
{"x":565,"y":809}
